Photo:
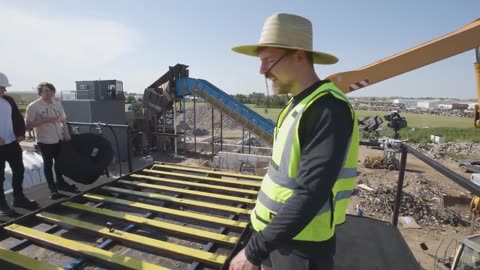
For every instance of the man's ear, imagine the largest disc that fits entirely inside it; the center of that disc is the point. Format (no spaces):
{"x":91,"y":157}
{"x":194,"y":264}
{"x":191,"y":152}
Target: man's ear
{"x":300,"y":56}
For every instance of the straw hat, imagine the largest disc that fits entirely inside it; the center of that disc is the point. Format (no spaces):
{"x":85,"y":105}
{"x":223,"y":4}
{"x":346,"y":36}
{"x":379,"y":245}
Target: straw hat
{"x":287,"y":31}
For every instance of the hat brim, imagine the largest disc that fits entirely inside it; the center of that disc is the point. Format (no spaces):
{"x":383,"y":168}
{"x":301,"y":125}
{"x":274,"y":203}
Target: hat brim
{"x":8,"y":85}
{"x":318,"y":57}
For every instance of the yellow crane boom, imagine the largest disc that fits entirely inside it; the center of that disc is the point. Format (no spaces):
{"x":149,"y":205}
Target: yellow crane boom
{"x":456,"y":42}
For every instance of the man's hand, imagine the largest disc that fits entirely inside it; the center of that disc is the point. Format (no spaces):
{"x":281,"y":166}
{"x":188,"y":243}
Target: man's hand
{"x":67,"y":137}
{"x":2,"y":141}
{"x":20,"y":138}
{"x":50,"y":120}
{"x":240,"y":262}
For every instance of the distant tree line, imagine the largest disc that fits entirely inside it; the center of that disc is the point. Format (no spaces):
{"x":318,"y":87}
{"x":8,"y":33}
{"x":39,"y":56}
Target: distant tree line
{"x":261,"y":100}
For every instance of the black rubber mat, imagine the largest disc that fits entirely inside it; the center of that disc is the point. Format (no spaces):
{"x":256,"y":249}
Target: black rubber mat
{"x":368,"y":244}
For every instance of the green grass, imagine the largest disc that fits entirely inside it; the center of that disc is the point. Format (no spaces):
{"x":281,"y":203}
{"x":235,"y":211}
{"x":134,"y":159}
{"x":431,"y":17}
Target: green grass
{"x":420,"y":126}
{"x":422,"y":135}
{"x":425,"y":120}
{"x":269,"y":113}
{"x":22,"y":108}
{"x":414,"y":120}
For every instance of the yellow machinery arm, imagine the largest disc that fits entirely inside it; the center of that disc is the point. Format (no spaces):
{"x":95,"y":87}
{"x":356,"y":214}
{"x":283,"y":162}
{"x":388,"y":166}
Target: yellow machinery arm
{"x":461,"y":40}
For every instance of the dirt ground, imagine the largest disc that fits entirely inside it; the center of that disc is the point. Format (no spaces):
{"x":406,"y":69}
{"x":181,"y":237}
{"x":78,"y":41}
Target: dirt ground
{"x":439,"y":238}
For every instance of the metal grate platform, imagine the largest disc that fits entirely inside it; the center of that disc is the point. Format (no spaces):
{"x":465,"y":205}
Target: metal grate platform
{"x":163,"y":216}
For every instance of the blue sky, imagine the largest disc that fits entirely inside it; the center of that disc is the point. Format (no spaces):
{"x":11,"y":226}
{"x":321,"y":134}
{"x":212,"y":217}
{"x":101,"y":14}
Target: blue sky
{"x":135,"y":41}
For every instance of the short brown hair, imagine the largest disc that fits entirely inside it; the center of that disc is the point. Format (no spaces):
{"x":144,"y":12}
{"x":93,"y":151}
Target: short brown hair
{"x":48,"y":85}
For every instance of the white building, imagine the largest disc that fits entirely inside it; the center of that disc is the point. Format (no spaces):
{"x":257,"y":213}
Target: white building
{"x":444,"y":106}
{"x":409,"y":103}
{"x":428,"y":104}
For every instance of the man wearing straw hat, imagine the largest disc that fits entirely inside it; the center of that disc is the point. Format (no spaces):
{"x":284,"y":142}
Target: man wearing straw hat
{"x":306,"y":190}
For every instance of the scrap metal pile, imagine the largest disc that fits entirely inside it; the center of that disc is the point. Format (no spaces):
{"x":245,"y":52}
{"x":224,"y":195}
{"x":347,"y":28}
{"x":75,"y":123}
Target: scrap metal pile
{"x":424,"y":207}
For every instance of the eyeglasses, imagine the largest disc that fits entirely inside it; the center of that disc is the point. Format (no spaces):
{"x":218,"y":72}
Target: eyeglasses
{"x":277,"y":61}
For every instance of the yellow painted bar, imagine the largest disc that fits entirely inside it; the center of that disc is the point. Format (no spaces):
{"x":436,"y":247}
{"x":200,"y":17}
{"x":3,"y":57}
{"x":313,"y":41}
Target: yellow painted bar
{"x":25,"y":261}
{"x":200,"y":255}
{"x":191,"y":232}
{"x":180,"y":200}
{"x":195,"y":184}
{"x":163,"y":210}
{"x":189,"y":192}
{"x":206,"y":178}
{"x":80,"y":248}
{"x":192,"y":169}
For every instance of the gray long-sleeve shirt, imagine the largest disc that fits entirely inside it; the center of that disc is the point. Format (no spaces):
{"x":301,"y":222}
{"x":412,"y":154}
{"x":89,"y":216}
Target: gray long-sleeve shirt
{"x":324,"y":131}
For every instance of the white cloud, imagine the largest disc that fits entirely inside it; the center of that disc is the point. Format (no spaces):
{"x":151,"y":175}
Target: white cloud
{"x":37,"y":47}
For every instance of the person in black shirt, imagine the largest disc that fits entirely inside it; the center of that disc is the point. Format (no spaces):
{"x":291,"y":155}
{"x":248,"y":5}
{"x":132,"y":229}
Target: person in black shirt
{"x":12,"y":132}
{"x":324,"y":131}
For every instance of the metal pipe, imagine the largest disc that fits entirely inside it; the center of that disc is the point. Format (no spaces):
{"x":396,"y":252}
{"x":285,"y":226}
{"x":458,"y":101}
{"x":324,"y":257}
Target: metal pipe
{"x":195,"y":123}
{"x":184,"y":126}
{"x":174,"y":123}
{"x":401,"y":177}
{"x":213,"y":134}
{"x":465,"y":183}
{"x":243,"y":140}
{"x":221,"y":131}
{"x":99,"y":124}
{"x":129,"y":155}
{"x":249,"y":142}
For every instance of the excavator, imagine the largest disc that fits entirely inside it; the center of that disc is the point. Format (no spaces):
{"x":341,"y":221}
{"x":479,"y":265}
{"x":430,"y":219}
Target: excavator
{"x":467,"y":253}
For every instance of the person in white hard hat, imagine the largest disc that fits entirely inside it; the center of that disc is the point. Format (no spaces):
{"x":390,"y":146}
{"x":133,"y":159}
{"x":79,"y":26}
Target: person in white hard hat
{"x":12,"y":131}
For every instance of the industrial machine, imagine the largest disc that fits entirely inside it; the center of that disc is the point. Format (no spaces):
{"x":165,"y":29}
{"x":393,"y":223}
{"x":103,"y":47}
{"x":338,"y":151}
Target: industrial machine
{"x":165,"y":98}
{"x":389,"y":159}
{"x":370,"y":127}
{"x":466,"y":255}
{"x":390,"y":146}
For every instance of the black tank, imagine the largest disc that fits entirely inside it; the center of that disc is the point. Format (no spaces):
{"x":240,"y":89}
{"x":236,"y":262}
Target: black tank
{"x":85,"y":157}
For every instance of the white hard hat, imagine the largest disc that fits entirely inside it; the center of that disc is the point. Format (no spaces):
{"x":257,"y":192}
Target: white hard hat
{"x":4,"y":81}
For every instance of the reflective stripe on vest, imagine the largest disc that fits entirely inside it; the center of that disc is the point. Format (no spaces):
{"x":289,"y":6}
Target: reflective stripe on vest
{"x":280,"y":181}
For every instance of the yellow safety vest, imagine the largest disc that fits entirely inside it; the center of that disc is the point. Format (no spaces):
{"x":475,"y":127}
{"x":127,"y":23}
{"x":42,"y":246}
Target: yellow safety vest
{"x":280,"y":181}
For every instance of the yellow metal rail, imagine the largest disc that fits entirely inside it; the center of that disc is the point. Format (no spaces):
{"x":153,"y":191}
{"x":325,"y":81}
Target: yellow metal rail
{"x":194,"y":203}
{"x":190,"y":169}
{"x":107,"y":257}
{"x":25,"y":261}
{"x":168,"y":211}
{"x":255,"y":184}
{"x":125,"y":237}
{"x":188,"y":192}
{"x":166,"y":226}
{"x":195,"y":184}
